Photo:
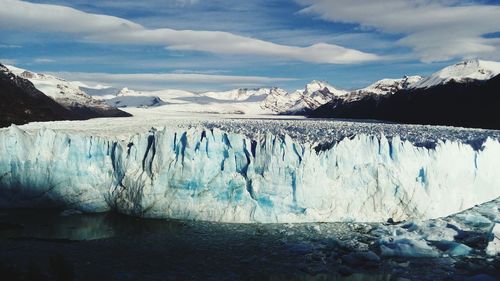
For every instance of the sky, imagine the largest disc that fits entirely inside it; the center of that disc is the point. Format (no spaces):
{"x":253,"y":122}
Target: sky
{"x":224,"y":44}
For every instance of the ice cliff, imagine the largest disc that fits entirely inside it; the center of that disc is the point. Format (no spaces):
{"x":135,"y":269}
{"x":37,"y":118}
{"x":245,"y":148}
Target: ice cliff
{"x":209,"y":173}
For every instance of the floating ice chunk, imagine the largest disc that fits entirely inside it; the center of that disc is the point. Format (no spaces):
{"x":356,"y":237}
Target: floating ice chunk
{"x":436,"y":230}
{"x":406,"y":247}
{"x":459,"y":250}
{"x":493,"y":248}
{"x":474,"y":220}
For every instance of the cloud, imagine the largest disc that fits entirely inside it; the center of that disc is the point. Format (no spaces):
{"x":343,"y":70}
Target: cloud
{"x":156,"y":81}
{"x":435,"y":30}
{"x":43,"y":60}
{"x":207,"y":71}
{"x":186,"y":2}
{"x":304,"y":36}
{"x":6,"y":46}
{"x":108,"y":29}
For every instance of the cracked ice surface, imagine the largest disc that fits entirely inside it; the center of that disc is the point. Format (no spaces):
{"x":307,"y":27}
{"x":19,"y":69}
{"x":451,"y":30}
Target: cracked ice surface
{"x":249,"y":170}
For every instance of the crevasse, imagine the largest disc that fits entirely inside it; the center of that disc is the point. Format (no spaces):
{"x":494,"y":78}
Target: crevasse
{"x":210,"y":174}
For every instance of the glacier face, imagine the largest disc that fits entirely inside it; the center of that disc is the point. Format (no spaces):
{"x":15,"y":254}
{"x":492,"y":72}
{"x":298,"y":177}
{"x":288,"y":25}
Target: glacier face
{"x":210,"y":173}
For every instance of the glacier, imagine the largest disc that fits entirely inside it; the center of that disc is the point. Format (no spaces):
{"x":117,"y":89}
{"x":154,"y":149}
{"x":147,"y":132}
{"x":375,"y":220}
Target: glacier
{"x":245,"y":171}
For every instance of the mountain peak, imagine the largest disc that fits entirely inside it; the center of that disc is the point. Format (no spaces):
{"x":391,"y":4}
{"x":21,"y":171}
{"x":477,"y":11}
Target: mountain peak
{"x":239,"y":94}
{"x":317,"y":85}
{"x":318,"y":82}
{"x":125,"y":92}
{"x":473,"y":61}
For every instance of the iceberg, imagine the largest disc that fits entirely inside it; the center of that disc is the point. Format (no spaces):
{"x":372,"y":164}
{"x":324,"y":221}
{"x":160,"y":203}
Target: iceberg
{"x":246,"y":171}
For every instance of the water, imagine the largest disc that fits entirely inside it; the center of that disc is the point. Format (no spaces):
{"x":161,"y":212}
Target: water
{"x":110,"y":246}
{"x":47,"y":224}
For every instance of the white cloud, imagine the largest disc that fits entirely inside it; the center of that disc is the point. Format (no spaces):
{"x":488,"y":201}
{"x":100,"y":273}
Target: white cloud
{"x":156,"y":81}
{"x":435,"y":30}
{"x":7,"y":46}
{"x":187,"y":2}
{"x":108,"y":29}
{"x":207,"y":71}
{"x":43,"y":60}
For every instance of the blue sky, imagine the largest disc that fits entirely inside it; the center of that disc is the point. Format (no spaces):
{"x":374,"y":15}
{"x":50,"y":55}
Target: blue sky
{"x":349,"y":43}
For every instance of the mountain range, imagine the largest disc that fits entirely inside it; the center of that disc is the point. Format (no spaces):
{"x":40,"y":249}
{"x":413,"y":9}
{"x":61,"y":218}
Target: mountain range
{"x":466,"y":94}
{"x":449,"y":97}
{"x":259,"y":101}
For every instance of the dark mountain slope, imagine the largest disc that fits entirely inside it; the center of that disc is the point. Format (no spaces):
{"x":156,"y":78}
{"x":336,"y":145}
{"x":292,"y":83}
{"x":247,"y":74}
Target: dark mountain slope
{"x":21,"y":102}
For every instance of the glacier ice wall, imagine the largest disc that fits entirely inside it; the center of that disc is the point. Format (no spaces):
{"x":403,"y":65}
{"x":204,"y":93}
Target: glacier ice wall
{"x":216,"y":175}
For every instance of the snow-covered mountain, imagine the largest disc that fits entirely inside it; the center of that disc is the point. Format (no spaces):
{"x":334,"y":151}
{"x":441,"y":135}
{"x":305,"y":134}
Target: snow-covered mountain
{"x":239,"y":94}
{"x":319,"y":93}
{"x":278,"y":100}
{"x":237,"y":101}
{"x":462,"y":72}
{"x":253,"y":101}
{"x":464,"y":94}
{"x":21,"y":102}
{"x":316,"y":85}
{"x":381,"y":88}
{"x":130,"y":98}
{"x":259,"y":101}
{"x":68,"y":94}
{"x":314,"y":95}
{"x":389,"y":86}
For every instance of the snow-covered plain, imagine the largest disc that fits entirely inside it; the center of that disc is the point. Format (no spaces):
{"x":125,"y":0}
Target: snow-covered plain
{"x":249,"y":170}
